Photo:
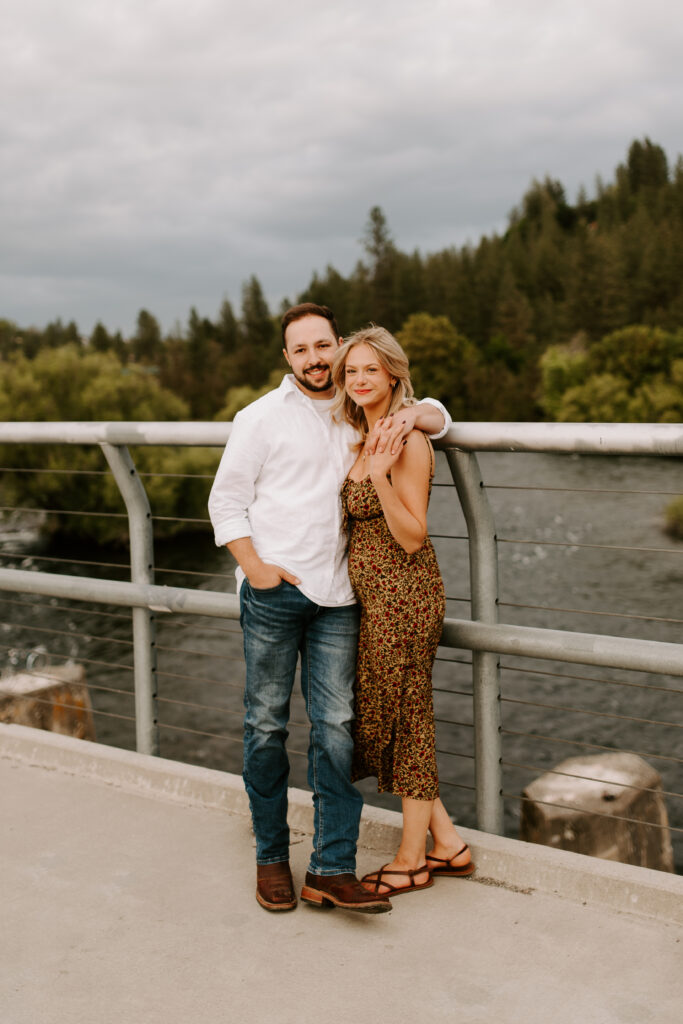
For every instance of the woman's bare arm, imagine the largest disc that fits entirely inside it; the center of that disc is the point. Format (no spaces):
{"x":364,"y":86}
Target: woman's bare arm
{"x":405,"y":497}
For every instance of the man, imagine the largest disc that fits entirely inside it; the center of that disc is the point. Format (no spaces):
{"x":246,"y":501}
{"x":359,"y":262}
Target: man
{"x":275,"y":504}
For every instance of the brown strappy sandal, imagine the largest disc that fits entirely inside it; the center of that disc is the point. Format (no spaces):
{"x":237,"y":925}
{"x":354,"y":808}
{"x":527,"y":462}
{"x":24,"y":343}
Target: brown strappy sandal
{"x":376,"y":879}
{"x":449,"y":868}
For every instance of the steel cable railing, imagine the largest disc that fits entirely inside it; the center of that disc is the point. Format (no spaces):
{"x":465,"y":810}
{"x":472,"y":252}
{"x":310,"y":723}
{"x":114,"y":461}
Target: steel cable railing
{"x":568,"y":709}
{"x":579,"y":490}
{"x":597,"y":814}
{"x":578,"y":545}
{"x":594,"y":679}
{"x":195,"y":678}
{"x":46,"y":675}
{"x":31,"y":509}
{"x":31,"y":637}
{"x":589,"y":778}
{"x":53,"y":560}
{"x":187,"y":674}
{"x":195,"y":653}
{"x":584,"y":745}
{"x":76,"y":707}
{"x":72,"y":609}
{"x":72,"y":634}
{"x":556,"y":609}
{"x":590,"y":611}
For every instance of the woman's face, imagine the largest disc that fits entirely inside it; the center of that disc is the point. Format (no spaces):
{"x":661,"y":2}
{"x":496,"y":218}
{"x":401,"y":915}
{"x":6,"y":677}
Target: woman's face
{"x":366,"y":381}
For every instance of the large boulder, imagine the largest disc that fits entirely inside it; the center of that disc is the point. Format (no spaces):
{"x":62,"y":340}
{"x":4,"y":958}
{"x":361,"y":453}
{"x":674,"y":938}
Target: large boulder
{"x":606,"y":805}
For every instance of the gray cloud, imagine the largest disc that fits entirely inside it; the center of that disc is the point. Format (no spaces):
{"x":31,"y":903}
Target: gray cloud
{"x":157,"y":155}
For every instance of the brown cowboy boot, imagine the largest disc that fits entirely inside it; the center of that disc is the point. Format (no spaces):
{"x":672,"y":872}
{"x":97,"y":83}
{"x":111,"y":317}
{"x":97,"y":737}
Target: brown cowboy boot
{"x":275,"y":887}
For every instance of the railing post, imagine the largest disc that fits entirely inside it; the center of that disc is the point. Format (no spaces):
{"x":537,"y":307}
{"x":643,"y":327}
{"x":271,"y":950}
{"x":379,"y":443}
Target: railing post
{"x":141,"y":571}
{"x":483,"y":552}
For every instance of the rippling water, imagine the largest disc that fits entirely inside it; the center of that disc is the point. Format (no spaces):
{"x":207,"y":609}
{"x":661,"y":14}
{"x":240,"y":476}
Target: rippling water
{"x":590,"y":559}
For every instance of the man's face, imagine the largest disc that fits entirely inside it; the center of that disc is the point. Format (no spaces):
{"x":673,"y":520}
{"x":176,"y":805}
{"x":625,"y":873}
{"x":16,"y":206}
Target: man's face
{"x":310,"y":348}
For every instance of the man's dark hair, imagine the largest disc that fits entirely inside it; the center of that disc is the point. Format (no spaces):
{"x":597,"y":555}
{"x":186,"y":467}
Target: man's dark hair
{"x":308,"y":309}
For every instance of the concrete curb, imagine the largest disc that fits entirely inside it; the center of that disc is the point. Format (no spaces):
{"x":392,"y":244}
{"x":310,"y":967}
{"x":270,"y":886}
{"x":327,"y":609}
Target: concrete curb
{"x":509,"y":863}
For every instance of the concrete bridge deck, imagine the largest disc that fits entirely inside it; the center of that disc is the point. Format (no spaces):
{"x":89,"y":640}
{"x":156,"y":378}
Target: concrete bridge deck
{"x":127,"y":897}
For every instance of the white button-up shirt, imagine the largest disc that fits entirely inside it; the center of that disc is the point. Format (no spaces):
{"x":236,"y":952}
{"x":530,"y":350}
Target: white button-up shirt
{"x":279,"y":482}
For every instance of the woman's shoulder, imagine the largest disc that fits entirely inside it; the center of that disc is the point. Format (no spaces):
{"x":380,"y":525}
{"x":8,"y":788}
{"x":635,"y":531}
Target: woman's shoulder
{"x":417,"y":453}
{"x":418,"y":443}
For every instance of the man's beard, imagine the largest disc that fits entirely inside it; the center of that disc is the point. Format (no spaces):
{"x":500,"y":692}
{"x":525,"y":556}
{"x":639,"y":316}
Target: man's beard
{"x":316,"y":388}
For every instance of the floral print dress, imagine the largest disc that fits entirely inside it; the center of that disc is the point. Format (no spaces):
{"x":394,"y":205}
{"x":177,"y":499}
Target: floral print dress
{"x":402,"y":607}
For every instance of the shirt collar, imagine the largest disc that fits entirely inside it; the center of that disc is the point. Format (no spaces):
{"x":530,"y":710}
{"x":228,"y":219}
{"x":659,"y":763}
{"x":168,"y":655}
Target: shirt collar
{"x":289,"y":387}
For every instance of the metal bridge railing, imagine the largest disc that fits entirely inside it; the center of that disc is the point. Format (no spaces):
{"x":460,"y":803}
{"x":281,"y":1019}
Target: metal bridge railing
{"x":474,"y":681}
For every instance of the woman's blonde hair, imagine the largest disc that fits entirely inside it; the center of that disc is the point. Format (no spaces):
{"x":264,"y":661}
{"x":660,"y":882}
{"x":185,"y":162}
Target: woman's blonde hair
{"x":390,"y":356}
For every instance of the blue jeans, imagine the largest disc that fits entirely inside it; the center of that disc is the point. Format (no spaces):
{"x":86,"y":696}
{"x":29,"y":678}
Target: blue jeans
{"x":278,"y":625}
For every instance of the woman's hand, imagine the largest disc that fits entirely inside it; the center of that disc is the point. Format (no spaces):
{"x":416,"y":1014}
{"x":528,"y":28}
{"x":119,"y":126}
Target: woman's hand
{"x":390,"y":432}
{"x":381,"y":461}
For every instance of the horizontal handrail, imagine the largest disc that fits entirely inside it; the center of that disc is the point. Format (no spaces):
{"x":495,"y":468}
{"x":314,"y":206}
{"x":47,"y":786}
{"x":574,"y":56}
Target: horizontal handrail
{"x":523,"y":641}
{"x":568,"y":438}
{"x":587,"y":438}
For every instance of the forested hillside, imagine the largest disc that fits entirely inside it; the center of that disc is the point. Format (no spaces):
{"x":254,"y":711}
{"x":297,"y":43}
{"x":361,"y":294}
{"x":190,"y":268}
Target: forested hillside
{"x":499,"y":329}
{"x":574,"y":313}
{"x":561,"y":274}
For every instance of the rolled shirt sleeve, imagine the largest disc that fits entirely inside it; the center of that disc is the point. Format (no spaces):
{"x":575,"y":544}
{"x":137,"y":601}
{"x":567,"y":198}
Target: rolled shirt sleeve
{"x":448,"y":422}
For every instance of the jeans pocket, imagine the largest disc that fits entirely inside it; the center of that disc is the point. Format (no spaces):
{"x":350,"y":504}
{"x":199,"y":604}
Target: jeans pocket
{"x":266,"y":590}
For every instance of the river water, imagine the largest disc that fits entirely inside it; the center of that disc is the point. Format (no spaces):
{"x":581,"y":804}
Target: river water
{"x":581,"y":548}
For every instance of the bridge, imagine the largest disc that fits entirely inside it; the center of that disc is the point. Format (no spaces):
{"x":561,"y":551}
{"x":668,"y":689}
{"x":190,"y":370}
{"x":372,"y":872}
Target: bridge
{"x":128,"y":877}
{"x":128,"y":896}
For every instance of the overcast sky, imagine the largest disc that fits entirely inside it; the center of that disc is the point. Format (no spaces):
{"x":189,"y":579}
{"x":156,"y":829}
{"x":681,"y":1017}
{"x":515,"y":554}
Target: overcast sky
{"x":156,"y":153}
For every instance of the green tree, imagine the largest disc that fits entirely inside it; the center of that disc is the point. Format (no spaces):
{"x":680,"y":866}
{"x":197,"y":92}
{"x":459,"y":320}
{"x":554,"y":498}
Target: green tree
{"x":377,"y":240}
{"x":514,"y":320}
{"x":603,"y":397}
{"x":67,"y":384}
{"x":336,"y":291}
{"x":239,"y":397}
{"x":486,"y":270}
{"x":384,"y":270}
{"x":562,"y":367}
{"x":146,"y":344}
{"x":206,"y":377}
{"x":11,"y":340}
{"x":56,"y":334}
{"x":632,"y":375}
{"x":100,"y":339}
{"x":441,"y":361}
{"x":226,"y":328}
{"x":647,"y":166}
{"x":660,"y":398}
{"x":636,"y":352}
{"x":410,"y":285}
{"x":596,"y":301}
{"x":259,"y":347}
{"x":543,"y":200}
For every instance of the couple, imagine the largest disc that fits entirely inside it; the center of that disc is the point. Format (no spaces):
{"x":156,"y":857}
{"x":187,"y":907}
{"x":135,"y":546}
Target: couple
{"x":275,"y":504}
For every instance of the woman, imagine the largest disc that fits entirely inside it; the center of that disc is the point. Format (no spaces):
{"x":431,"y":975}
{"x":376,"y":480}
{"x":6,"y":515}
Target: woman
{"x":396,"y":578}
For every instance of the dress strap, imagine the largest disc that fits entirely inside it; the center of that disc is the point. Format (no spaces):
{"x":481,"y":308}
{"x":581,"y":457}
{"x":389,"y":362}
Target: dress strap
{"x":431,"y":455}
